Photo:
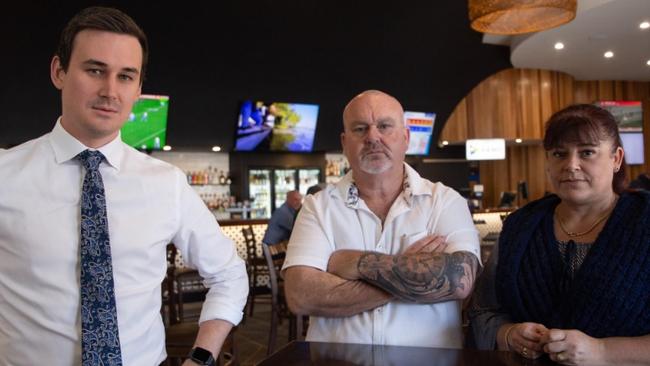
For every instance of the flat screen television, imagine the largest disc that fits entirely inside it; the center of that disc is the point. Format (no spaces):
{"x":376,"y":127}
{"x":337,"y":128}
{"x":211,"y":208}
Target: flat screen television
{"x":629,"y":116}
{"x":146,"y":127}
{"x":420,"y":125}
{"x":633,"y":146}
{"x":263,"y":126}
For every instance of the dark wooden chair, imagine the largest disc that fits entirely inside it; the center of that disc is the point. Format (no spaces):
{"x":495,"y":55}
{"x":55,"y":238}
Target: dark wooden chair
{"x":274,"y":255}
{"x":178,"y":287}
{"x":258,"y":272}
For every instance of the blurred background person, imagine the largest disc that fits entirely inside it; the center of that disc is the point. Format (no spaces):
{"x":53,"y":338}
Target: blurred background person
{"x":281,"y":222}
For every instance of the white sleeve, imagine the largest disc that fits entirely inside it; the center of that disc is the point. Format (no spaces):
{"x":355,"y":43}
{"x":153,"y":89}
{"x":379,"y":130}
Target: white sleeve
{"x":205,"y":247}
{"x":453,"y":220}
{"x":309,"y":244}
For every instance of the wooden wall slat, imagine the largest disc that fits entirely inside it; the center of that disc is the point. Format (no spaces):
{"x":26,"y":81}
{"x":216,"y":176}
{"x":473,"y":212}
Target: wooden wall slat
{"x":516,"y":103}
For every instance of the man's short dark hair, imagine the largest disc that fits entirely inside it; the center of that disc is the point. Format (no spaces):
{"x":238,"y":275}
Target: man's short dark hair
{"x":102,"y":19}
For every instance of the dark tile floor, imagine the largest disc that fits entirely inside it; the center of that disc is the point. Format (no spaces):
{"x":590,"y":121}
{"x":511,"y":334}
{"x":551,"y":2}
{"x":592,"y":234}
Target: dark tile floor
{"x":252,"y":336}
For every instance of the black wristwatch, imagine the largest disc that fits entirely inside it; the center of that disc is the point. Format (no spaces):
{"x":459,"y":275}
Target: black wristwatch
{"x":201,"y":356}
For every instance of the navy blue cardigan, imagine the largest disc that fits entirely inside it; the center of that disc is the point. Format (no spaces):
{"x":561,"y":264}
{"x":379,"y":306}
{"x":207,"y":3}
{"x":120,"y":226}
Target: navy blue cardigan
{"x":610,"y":293}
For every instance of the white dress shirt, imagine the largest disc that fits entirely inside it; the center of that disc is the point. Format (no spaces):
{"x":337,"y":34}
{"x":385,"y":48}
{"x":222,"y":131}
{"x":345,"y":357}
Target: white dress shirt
{"x":149,"y":204}
{"x":337,"y":218}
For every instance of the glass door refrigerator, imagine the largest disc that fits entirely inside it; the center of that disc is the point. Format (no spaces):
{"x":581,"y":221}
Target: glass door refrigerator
{"x":259,"y":191}
{"x":284,"y":181}
{"x":268,"y":187}
{"x":307,"y":178}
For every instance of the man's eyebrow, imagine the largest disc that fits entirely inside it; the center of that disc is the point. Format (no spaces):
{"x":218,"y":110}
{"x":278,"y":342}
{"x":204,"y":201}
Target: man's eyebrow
{"x":386,"y":120}
{"x":93,"y":62}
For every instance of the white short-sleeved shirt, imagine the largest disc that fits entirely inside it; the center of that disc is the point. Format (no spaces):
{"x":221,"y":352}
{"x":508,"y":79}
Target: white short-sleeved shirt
{"x":337,"y":218}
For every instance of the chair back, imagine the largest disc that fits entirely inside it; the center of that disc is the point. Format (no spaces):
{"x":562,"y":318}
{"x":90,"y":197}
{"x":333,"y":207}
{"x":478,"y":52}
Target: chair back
{"x":251,"y":245}
{"x":275,"y":254}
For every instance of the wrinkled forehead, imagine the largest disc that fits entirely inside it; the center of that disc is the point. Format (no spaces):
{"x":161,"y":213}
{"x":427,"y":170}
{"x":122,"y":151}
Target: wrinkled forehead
{"x":372,"y":109}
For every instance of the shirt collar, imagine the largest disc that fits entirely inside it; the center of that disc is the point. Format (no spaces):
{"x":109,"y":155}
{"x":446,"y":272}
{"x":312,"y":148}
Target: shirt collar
{"x":66,"y":147}
{"x":413,"y":185}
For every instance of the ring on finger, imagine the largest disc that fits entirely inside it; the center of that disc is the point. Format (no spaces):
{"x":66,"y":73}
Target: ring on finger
{"x":524,"y":351}
{"x":560,"y":356}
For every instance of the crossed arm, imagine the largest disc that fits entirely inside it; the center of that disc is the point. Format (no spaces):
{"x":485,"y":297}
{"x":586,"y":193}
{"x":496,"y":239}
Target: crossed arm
{"x":428,"y":277}
{"x":358,"y":281}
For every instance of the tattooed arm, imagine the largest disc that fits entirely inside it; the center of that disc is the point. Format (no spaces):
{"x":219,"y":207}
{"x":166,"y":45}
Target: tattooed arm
{"x":310,"y":291}
{"x":415,"y":277}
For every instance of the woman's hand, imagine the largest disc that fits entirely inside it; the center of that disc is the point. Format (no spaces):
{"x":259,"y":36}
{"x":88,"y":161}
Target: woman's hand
{"x":572,"y":347}
{"x":525,"y":339}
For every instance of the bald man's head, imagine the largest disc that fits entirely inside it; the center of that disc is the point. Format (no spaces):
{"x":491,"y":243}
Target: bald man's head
{"x":374,"y":138}
{"x":294,"y":199}
{"x":365,"y":98}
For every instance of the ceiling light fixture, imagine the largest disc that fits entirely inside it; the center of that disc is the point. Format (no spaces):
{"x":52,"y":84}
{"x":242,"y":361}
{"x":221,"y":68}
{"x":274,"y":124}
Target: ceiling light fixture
{"x":216,"y":148}
{"x":516,"y":16}
{"x":608,"y":54}
{"x":445,"y":143}
{"x":167,"y":148}
{"x":518,"y":140}
{"x":647,"y":62}
{"x":644,"y":25}
{"x":558,"y":46}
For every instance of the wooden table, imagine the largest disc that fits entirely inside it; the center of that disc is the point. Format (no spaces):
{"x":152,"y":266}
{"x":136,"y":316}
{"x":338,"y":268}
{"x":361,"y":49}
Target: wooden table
{"x":323,"y":354}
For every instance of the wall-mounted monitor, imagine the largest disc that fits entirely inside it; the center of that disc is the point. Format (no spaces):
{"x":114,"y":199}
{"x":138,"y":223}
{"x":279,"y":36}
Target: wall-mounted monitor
{"x":146,"y":127}
{"x":485,"y":149}
{"x":276,"y":126}
{"x":420,"y":125}
{"x":633,"y":146}
{"x":629,"y":116}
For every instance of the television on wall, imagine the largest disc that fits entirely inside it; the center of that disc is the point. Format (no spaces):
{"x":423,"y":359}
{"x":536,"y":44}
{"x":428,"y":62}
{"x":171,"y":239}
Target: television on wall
{"x":275,"y":126}
{"x":629,"y":116}
{"x":146,"y":127}
{"x":420,"y":125}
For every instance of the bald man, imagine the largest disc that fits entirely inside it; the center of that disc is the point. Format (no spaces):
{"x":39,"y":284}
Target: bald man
{"x":383,"y":256}
{"x":281,"y":222}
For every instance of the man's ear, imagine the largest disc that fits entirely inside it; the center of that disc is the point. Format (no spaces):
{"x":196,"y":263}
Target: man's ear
{"x":57,"y":74}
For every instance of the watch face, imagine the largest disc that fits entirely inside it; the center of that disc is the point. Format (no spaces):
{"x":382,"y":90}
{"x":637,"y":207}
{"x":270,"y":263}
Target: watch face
{"x":202,"y":356}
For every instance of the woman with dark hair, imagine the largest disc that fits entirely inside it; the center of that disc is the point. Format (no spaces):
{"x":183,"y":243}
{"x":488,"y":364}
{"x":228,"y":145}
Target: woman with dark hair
{"x":571,"y":275}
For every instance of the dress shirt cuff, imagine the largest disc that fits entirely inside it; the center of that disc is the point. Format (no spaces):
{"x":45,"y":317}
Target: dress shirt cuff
{"x":216,"y":309}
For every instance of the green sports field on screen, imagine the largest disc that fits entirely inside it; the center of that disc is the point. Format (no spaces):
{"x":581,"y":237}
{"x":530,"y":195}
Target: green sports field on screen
{"x":146,"y":127}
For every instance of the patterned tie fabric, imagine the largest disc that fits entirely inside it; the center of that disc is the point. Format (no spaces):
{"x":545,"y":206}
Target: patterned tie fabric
{"x":100,"y":341}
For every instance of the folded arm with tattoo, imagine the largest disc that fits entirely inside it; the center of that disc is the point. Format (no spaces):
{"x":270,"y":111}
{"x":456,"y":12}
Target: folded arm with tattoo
{"x":424,"y":276}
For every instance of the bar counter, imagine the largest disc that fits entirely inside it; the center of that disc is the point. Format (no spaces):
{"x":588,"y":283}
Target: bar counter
{"x":324,"y":354}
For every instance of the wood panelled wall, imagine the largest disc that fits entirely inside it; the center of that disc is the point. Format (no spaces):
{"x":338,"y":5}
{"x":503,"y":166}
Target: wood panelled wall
{"x":515,"y":103}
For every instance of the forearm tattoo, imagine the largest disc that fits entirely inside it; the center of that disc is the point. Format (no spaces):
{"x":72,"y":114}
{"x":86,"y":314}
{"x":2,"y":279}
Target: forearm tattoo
{"x":420,"y":277}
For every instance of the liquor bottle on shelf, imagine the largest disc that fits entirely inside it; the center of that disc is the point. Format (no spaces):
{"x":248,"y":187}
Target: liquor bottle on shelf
{"x":222,"y":178}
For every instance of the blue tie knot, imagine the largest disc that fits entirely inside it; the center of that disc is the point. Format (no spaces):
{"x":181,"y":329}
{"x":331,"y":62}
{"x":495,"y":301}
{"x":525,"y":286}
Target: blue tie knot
{"x":90,"y":159}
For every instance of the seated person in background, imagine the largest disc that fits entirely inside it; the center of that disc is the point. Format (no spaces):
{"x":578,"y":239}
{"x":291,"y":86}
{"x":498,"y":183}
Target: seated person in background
{"x":382,"y":256}
{"x":281,"y":222}
{"x":641,"y":182}
{"x":570,"y":275}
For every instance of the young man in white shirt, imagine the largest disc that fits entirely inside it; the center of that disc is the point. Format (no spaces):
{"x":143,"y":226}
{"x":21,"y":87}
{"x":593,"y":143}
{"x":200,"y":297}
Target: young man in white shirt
{"x":144,"y":205}
{"x":383,"y":256}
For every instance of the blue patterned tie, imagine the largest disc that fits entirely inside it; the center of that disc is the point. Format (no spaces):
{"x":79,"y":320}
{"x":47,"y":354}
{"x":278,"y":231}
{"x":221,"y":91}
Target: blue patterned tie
{"x":100,"y":340}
